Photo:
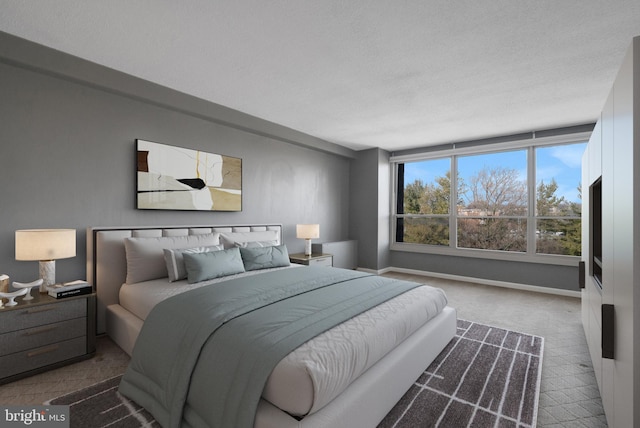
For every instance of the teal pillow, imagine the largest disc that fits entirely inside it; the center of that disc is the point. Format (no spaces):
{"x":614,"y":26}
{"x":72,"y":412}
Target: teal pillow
{"x":255,"y":258}
{"x":203,"y":266}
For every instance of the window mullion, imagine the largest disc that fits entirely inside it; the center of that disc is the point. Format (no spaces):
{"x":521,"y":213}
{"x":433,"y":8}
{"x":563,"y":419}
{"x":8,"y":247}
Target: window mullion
{"x":453,"y":203}
{"x":531,"y":209}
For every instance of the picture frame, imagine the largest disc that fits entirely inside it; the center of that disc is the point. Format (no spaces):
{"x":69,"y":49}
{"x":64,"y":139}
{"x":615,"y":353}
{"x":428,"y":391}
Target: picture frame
{"x":176,"y":178}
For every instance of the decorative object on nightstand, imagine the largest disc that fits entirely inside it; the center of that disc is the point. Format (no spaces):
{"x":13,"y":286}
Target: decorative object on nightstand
{"x":11,"y":296}
{"x":4,"y":283}
{"x":307,"y":232}
{"x":28,"y":286}
{"x":70,"y":289}
{"x":312,"y":260}
{"x":45,"y":246}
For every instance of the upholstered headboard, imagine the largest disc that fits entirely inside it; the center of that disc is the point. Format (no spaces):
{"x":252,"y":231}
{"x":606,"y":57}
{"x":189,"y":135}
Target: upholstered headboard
{"x":106,"y":256}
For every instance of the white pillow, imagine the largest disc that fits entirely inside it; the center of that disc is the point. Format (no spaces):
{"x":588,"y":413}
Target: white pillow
{"x":145,"y":256}
{"x":256,"y":244}
{"x":174,"y":260}
{"x":231,"y":239}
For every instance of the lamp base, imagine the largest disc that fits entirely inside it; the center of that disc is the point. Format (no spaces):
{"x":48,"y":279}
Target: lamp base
{"x":307,"y":247}
{"x":47,"y":273}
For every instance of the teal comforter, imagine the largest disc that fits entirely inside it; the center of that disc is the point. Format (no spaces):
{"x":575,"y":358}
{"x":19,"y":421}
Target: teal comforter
{"x":203,"y":357}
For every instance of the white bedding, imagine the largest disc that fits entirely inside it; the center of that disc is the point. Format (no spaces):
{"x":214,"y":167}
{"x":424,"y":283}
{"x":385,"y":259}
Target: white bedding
{"x":318,"y":371}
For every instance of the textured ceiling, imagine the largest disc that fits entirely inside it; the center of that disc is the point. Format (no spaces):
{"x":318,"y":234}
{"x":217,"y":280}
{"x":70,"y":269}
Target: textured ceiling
{"x":360,"y":73}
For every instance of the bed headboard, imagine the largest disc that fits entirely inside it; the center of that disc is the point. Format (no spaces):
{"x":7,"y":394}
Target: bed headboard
{"x":106,"y":257}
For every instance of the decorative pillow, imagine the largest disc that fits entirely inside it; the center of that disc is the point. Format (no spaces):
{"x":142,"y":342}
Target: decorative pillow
{"x":256,"y":244}
{"x":203,"y":266}
{"x":230,"y":239}
{"x":255,"y":258}
{"x":145,"y":256}
{"x":175,"y":261}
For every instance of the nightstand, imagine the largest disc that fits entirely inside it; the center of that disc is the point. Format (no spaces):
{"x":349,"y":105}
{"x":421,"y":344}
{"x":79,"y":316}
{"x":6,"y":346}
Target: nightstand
{"x":312,"y":260}
{"x":46,"y":333}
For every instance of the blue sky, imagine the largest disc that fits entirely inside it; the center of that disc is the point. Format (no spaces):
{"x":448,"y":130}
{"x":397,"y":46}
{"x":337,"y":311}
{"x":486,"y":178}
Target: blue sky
{"x":564,"y":163}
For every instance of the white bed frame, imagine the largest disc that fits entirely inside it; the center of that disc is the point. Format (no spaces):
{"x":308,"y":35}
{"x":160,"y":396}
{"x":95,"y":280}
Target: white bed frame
{"x":362,"y":405}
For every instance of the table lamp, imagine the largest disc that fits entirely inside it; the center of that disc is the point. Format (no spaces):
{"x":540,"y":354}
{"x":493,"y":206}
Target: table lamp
{"x":46,"y":246}
{"x":307,"y":232}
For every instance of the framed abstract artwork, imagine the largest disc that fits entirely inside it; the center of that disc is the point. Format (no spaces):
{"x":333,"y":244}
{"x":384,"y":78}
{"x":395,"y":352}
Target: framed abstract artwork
{"x":175,"y":178}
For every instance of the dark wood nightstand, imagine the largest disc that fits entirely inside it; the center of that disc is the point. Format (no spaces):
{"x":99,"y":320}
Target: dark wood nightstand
{"x":312,"y":260}
{"x":45,"y":333}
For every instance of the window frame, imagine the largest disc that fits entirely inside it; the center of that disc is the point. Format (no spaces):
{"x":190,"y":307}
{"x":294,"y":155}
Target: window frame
{"x":452,"y":153}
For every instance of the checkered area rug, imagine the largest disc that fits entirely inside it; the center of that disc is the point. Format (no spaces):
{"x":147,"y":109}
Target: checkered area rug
{"x":485,"y":377}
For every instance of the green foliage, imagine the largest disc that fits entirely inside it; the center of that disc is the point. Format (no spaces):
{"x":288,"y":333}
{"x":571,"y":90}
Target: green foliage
{"x":412,"y":195}
{"x":427,"y":231}
{"x":493,"y":197}
{"x":435,"y":197}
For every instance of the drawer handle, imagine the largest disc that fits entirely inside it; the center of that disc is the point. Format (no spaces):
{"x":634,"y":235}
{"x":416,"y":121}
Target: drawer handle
{"x":40,"y":330}
{"x":38,"y":310}
{"x":43,"y":350}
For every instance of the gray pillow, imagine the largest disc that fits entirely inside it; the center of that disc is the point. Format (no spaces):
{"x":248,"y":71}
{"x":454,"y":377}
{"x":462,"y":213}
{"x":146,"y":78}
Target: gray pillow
{"x":215,"y":264}
{"x":255,"y":258}
{"x":175,"y":261}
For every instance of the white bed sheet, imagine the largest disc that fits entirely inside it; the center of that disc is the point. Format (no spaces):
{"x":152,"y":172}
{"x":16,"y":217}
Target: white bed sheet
{"x":319,"y":370}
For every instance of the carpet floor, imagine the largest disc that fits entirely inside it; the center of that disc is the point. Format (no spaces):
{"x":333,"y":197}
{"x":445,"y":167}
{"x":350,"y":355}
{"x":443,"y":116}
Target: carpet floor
{"x":486,"y":376}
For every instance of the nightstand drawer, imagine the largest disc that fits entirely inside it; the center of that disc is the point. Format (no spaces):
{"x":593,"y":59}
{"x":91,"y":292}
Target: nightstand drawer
{"x":326,"y":261}
{"x":42,"y":356}
{"x":42,"y":314}
{"x":312,"y":259}
{"x":17,"y":341}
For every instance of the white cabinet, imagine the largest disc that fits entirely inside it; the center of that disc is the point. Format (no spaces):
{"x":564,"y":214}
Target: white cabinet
{"x":613,"y":154}
{"x":345,"y":253}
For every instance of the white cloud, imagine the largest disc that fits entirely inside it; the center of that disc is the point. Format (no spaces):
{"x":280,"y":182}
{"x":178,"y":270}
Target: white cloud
{"x":570,"y":155}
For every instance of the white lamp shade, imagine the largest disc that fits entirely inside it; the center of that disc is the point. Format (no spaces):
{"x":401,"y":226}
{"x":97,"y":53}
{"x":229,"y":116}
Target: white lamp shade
{"x":45,"y":244}
{"x":308,"y":231}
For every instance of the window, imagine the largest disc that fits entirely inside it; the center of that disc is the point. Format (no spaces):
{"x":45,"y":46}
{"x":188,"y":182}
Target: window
{"x":558,"y":199}
{"x":524,"y":199}
{"x":426,"y":203}
{"x":493,"y":215}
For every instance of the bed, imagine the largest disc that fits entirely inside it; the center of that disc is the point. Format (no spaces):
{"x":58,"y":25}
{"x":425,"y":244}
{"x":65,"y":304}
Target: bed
{"x":118,"y":265}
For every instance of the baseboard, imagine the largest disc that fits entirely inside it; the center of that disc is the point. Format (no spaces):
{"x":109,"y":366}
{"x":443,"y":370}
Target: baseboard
{"x":503,"y":284}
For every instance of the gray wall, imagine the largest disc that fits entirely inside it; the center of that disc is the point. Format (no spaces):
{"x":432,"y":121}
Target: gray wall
{"x":369,"y":220}
{"x":67,"y":145}
{"x":542,"y":275}
{"x":364,"y":198}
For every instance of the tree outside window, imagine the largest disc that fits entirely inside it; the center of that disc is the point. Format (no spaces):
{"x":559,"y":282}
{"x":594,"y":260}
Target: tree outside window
{"x":494,"y":214}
